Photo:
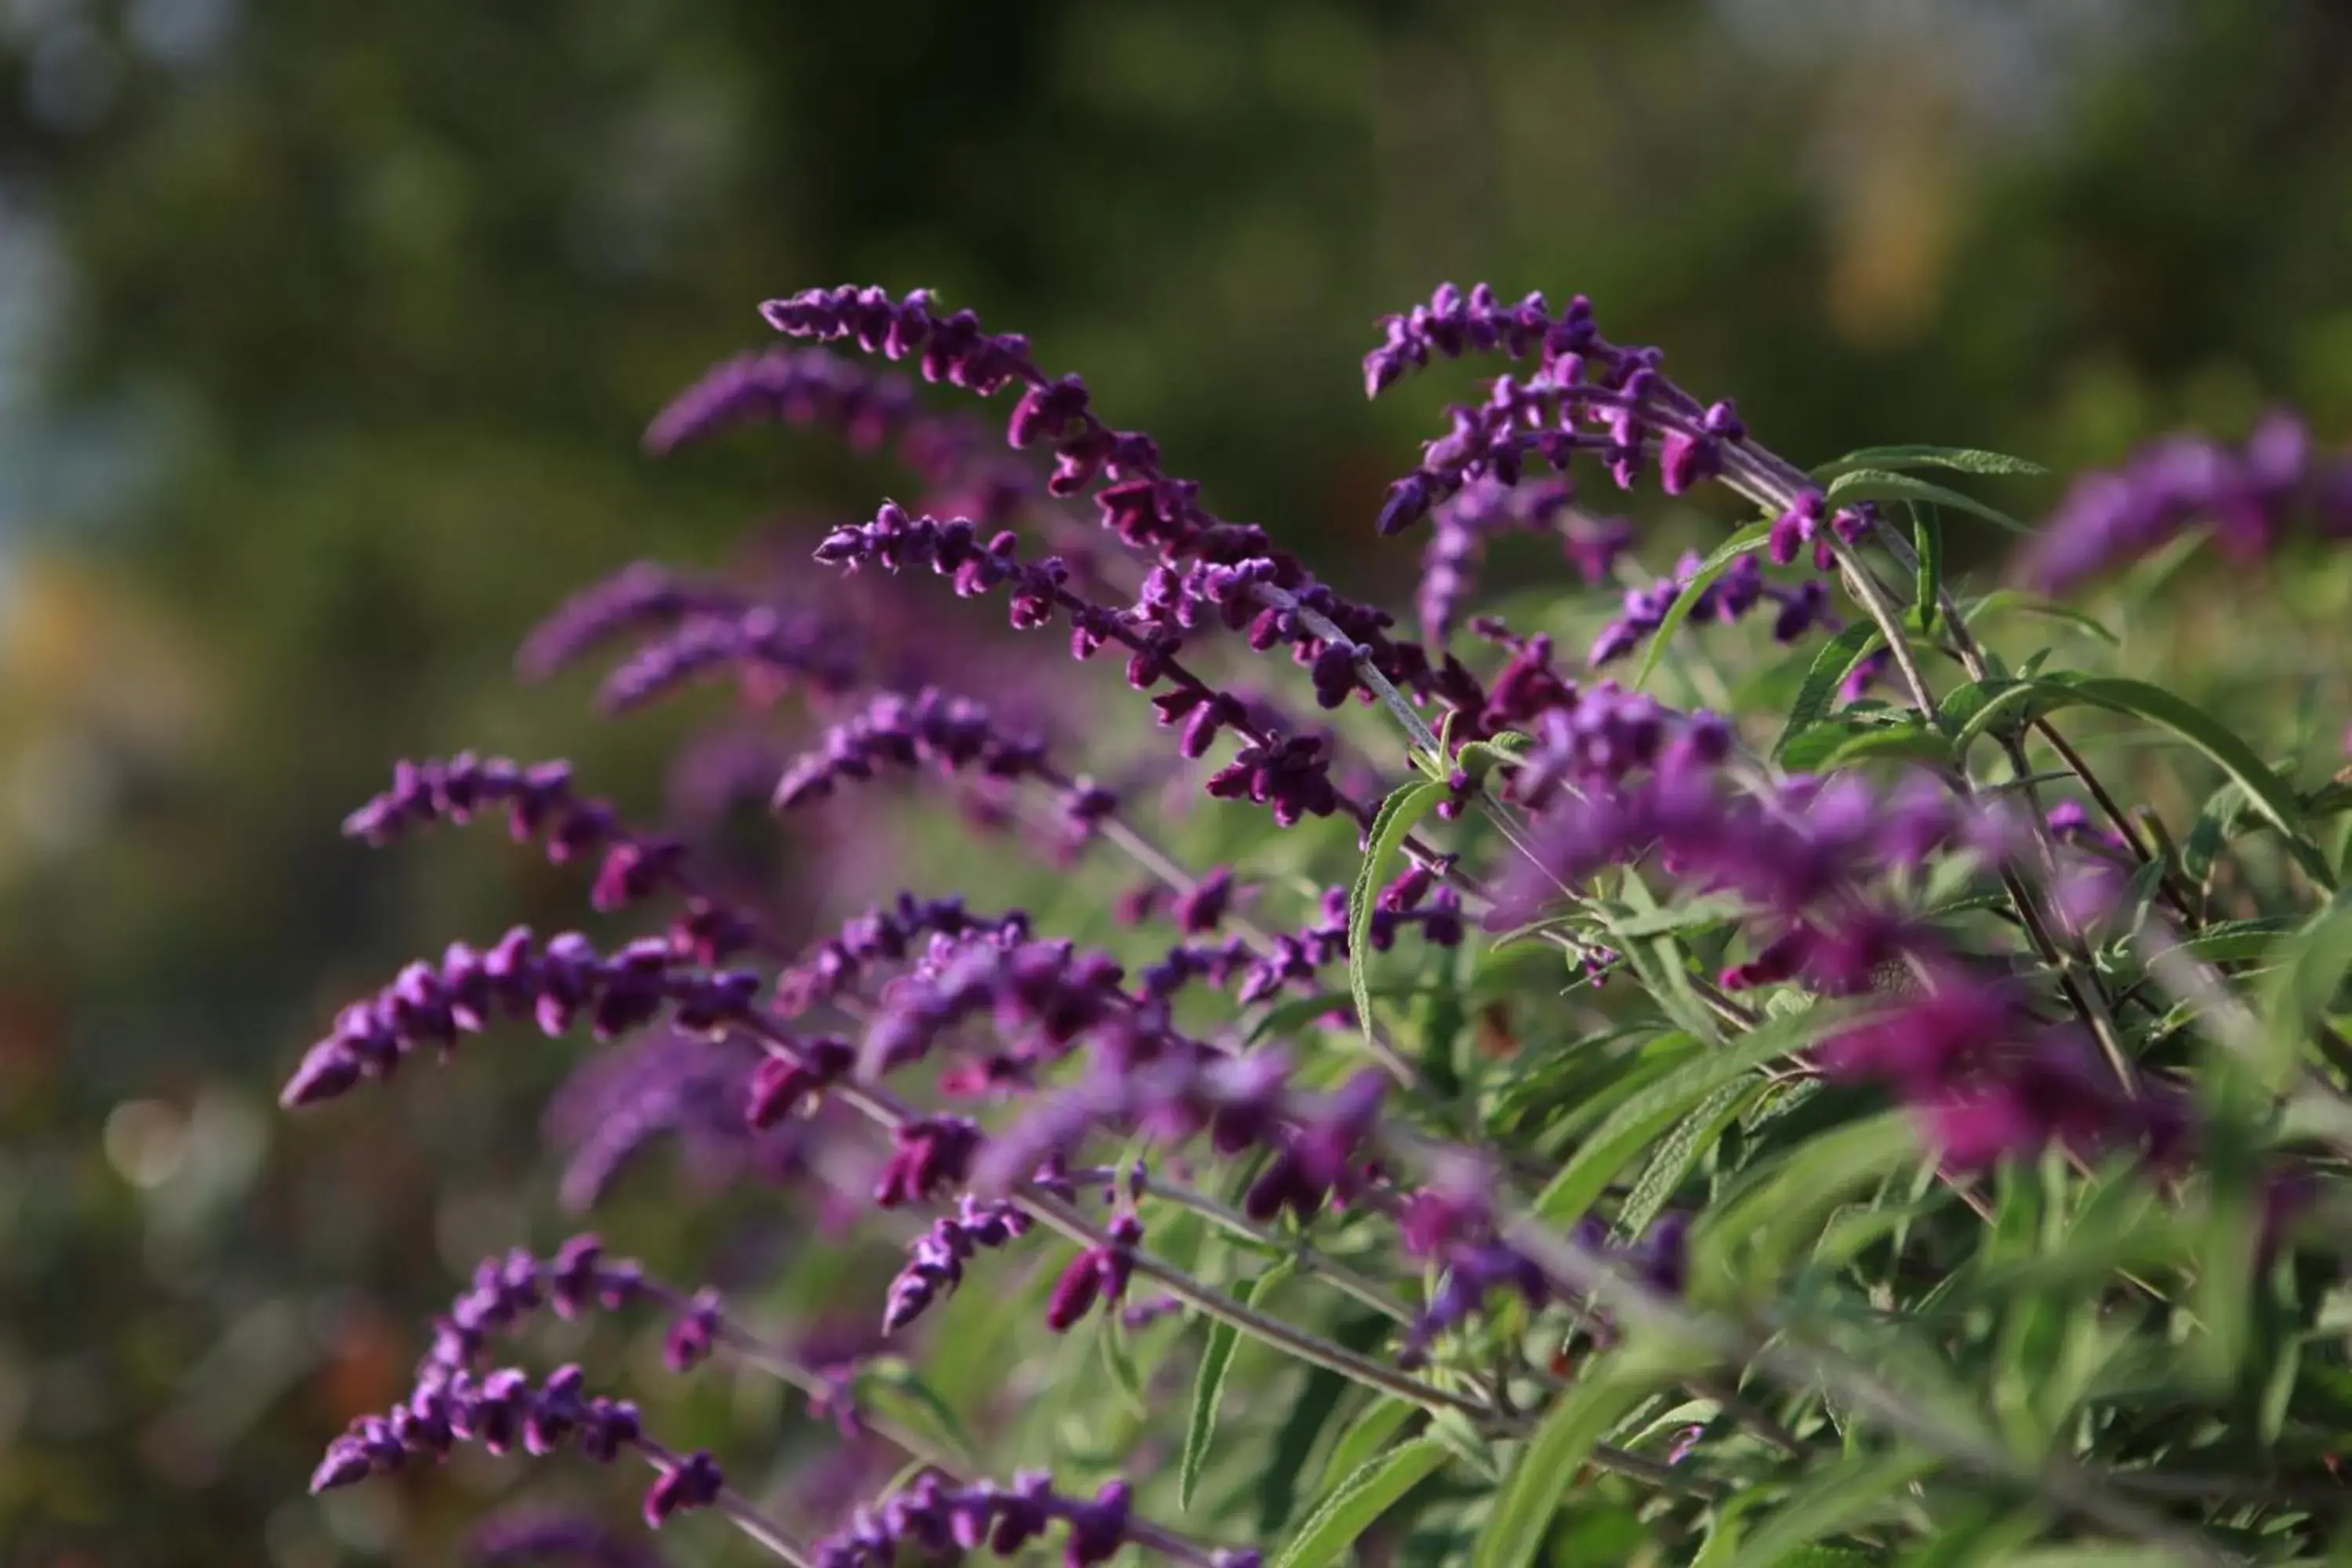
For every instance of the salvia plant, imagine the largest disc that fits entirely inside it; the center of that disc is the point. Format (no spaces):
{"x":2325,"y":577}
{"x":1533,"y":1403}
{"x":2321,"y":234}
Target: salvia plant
{"x":1820,"y":1111}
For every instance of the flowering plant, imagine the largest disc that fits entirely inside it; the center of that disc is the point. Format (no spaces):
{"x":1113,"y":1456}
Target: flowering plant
{"x":1827,"y":1119}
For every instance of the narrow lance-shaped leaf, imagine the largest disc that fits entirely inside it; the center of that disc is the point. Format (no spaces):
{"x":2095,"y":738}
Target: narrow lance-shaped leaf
{"x":1831,"y":666}
{"x":1879,"y":484}
{"x":1369,"y":1492}
{"x":1209,"y":1386}
{"x":1961,"y":460}
{"x":1747,"y":542}
{"x":1396,"y":818}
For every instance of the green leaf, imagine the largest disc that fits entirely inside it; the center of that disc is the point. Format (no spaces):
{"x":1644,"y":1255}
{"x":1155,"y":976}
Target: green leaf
{"x":1962,"y":460}
{"x":1693,"y":914}
{"x":1369,"y":1492}
{"x":1928,"y":541}
{"x":1398,"y":814}
{"x":2209,"y":835}
{"x":1672,"y":1160}
{"x":1549,"y":1462}
{"x":1283,"y":1461}
{"x":1747,"y":542}
{"x":1807,"y":752}
{"x":2310,"y":972}
{"x":1368,"y":1433}
{"x":1907,"y":741}
{"x":1879,"y":484}
{"x":898,"y":1390}
{"x":2269,"y":793}
{"x":1857,"y":1490}
{"x":1120,"y":1362}
{"x":1831,"y":665}
{"x":1645,"y":1117}
{"x":1294,"y":1013}
{"x":1209,"y":1387}
{"x":1502,"y":750}
{"x":1659,"y":961}
{"x":1779,"y":1209}
{"x":2003,"y":601}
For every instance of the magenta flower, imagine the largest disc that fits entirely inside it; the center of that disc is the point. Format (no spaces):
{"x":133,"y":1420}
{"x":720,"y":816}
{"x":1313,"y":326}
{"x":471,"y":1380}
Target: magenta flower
{"x":2251,"y":496}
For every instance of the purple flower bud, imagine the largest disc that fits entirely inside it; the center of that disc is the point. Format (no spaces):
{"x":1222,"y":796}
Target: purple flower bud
{"x":693,"y":1482}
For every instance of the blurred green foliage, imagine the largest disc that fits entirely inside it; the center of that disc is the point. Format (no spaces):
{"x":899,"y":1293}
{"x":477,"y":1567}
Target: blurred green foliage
{"x":330,"y":330}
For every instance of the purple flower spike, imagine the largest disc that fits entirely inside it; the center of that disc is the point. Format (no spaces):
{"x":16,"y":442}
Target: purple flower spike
{"x":801,"y":387}
{"x":950,"y":735}
{"x":638,"y":598}
{"x":511,"y":1540}
{"x":496,"y":1411}
{"x":935,"y":1519}
{"x":769,"y":650}
{"x":2251,"y":496}
{"x":935,"y":1267}
{"x":1586,"y":395}
{"x":555,"y":986}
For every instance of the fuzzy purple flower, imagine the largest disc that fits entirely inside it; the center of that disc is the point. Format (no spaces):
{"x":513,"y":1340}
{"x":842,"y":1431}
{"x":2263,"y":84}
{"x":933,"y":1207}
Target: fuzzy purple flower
{"x":1990,"y":1082}
{"x":1730,"y":598}
{"x":935,"y":1266}
{"x":501,"y":1411}
{"x":514,"y":1540}
{"x":555,"y":986}
{"x":2251,"y":496}
{"x":935,"y":1518}
{"x":1487,"y":509}
{"x":769,"y":650}
{"x":618,"y":1102}
{"x":1587,"y":394}
{"x":950,"y":735}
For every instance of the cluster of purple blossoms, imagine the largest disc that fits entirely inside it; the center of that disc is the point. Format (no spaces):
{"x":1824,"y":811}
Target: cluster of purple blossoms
{"x":951,"y":734}
{"x":1725,"y":601}
{"x":456,"y":1400}
{"x":506,"y":1290}
{"x":946,"y":732}
{"x":618,"y":1102}
{"x":1587,"y":394}
{"x":938,"y":1518}
{"x":1804,"y":859}
{"x":1599,"y":738}
{"x":2252,"y":496}
{"x":532,"y":1539}
{"x":799,"y":387}
{"x":1451,"y":1222}
{"x":1988,"y":1080}
{"x":554,"y":984}
{"x":539,"y":802}
{"x":638,"y":598}
{"x":1801,"y":521}
{"x":935,"y":1267}
{"x":1487,"y":507}
{"x":887,"y":933}
{"x":769,"y":650}
{"x":502,"y":1412}
{"x":1041,"y":997}
{"x":1412,"y":898}
{"x":1135,"y":497}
